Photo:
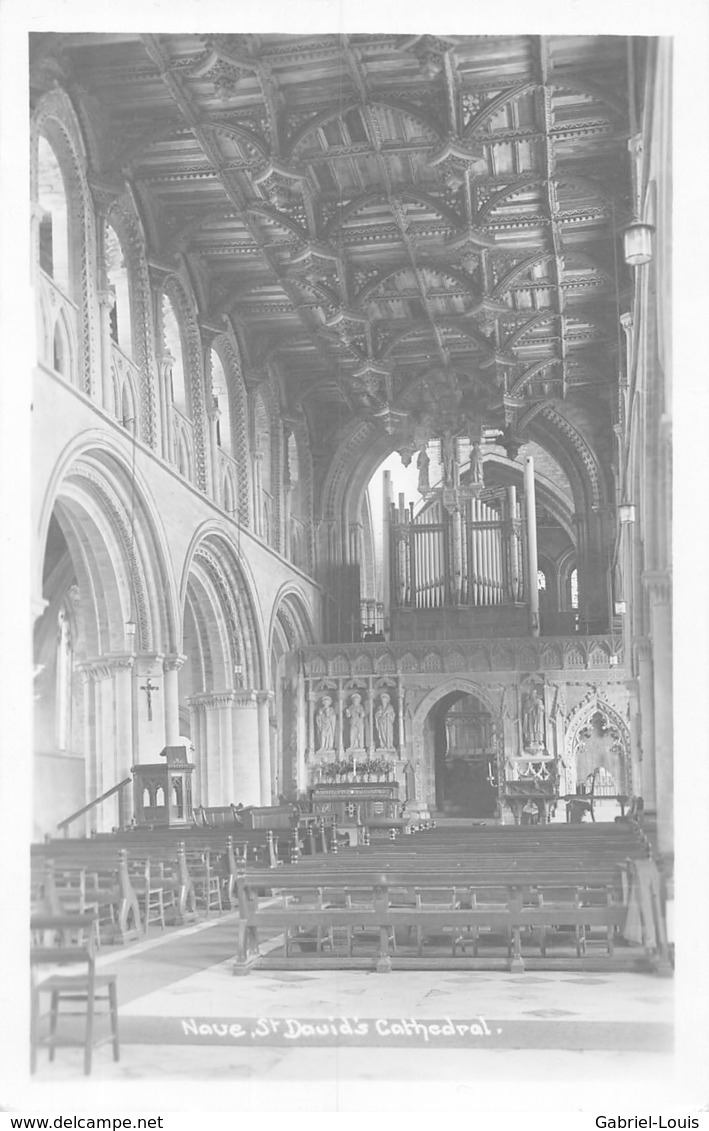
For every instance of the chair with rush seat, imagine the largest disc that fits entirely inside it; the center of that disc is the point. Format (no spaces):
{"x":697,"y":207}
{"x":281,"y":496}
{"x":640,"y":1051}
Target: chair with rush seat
{"x":63,"y":947}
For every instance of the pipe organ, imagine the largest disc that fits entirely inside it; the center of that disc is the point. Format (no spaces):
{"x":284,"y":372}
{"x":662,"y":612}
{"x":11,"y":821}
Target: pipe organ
{"x":467,"y":552}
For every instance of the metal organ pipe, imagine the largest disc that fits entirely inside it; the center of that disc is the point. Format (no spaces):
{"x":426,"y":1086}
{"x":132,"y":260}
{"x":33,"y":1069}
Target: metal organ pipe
{"x":532,"y":544}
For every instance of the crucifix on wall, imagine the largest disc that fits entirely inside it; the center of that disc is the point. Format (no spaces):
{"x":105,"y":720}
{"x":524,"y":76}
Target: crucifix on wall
{"x":149,"y":688}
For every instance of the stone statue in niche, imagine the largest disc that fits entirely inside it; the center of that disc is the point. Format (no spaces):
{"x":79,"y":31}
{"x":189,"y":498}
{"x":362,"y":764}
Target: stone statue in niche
{"x":533,"y":721}
{"x":356,"y":714}
{"x":325,"y":721}
{"x":384,"y":718}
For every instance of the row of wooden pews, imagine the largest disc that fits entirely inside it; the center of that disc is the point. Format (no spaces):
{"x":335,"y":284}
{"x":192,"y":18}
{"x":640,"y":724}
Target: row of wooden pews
{"x":489,"y":896}
{"x":136,"y":877}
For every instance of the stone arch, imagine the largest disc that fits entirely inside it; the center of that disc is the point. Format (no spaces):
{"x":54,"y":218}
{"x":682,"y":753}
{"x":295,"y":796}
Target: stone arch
{"x":239,"y":410}
{"x":232,"y":608}
{"x":113,"y":526}
{"x":580,"y":719}
{"x":123,"y":216}
{"x":423,"y":760}
{"x":293,"y":605}
{"x":56,"y":120}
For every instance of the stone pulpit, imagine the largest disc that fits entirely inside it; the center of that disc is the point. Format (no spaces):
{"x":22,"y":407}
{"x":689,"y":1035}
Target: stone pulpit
{"x":162,"y":791}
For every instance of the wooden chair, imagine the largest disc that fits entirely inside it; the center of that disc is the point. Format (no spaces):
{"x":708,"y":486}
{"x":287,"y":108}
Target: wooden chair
{"x":67,"y":942}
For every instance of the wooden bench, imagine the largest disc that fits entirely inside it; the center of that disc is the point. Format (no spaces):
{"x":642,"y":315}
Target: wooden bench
{"x":321,"y":913}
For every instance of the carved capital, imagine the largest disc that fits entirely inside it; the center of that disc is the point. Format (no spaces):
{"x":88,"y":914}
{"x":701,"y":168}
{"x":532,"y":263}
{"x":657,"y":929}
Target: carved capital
{"x":103,"y":667}
{"x":244,"y":699}
{"x":265,"y":696}
{"x":173,"y":663}
{"x":149,"y":663}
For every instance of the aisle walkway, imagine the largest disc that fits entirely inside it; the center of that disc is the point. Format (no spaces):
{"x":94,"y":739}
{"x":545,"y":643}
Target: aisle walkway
{"x":183,"y":1013}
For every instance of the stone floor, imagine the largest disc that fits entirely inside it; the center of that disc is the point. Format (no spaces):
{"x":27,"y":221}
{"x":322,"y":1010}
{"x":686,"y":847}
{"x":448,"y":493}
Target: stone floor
{"x":332,"y":1036}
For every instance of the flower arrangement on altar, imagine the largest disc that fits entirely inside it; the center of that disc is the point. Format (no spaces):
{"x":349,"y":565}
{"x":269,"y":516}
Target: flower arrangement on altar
{"x":362,"y":769}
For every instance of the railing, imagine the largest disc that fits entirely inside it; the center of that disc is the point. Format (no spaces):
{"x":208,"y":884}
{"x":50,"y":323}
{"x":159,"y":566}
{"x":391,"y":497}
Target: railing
{"x":64,"y":825}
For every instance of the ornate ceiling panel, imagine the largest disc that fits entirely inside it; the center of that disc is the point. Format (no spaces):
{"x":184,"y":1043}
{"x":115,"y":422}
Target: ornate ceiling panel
{"x":375,"y":210}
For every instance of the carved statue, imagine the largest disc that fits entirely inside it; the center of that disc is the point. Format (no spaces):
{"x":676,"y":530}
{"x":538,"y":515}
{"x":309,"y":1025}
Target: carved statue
{"x":384,"y":717}
{"x":533,"y":720}
{"x":355,"y":713}
{"x":476,"y":463}
{"x":422,"y":464}
{"x":325,"y":721}
{"x":448,"y":456}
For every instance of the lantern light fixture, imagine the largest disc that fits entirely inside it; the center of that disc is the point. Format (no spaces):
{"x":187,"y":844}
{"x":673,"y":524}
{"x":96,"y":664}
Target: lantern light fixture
{"x":637,"y":243}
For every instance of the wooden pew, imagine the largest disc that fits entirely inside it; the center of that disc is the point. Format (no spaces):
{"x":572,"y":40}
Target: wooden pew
{"x":314,"y":908}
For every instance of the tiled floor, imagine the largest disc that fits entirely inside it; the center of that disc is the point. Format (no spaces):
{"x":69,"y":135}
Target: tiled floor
{"x":185,"y":1016}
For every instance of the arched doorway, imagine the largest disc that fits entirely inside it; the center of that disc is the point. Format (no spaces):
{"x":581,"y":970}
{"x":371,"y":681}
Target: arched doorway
{"x":461,"y":731}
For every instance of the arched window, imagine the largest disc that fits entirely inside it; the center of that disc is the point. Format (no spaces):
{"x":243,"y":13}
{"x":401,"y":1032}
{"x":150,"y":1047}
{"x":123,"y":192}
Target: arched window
{"x":54,"y":221}
{"x":574,"y":588}
{"x":173,"y":344}
{"x":221,"y":392}
{"x":117,"y":274}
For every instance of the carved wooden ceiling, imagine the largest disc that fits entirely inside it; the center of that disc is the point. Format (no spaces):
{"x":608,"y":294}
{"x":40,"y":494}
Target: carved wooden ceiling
{"x":384,"y":218}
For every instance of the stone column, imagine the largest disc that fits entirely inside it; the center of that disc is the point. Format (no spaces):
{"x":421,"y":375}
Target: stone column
{"x":165,"y":364}
{"x":301,"y":781}
{"x":257,"y":460}
{"x":340,"y":722}
{"x":264,"y":699}
{"x":355,"y":543}
{"x":287,"y":497}
{"x":247,"y":778}
{"x":216,"y":757}
{"x":123,"y":699}
{"x":401,"y":729}
{"x":104,"y":302}
{"x":107,"y":733}
{"x":171,"y":666}
{"x":224,"y":706}
{"x":312,"y":744}
{"x":658,"y":585}
{"x":91,"y":674}
{"x":370,"y":743}
{"x":213,"y":416}
{"x":199,"y":741}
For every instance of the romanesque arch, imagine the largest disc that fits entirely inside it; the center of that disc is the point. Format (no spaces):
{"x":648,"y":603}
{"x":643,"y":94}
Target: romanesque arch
{"x":223,"y":687}
{"x":56,"y":120}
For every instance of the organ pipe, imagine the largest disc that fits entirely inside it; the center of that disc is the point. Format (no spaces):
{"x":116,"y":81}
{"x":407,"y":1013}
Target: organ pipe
{"x":530,"y":499}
